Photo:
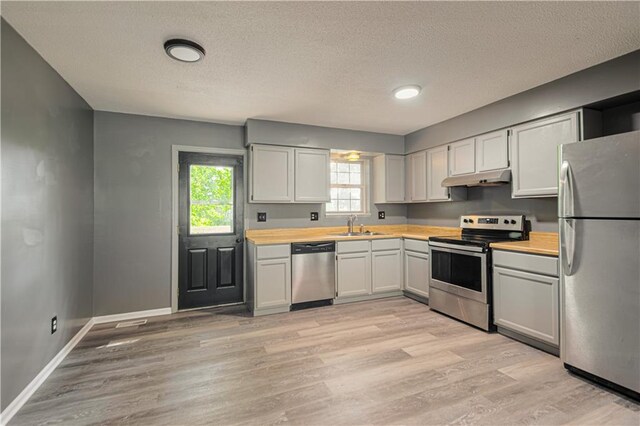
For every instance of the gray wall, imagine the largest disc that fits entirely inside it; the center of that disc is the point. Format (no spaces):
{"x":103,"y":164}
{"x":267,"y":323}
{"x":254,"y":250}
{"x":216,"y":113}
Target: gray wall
{"x":133,"y":205}
{"x":603,"y":81}
{"x":47,"y":213}
{"x":278,"y":133}
{"x":542,"y":212}
{"x":297,"y":216}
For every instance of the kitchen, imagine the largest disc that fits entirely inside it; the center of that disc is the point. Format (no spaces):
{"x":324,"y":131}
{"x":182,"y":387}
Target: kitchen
{"x":369,"y":259}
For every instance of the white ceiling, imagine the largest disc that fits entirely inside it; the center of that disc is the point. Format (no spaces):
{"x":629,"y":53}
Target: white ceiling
{"x":330,"y":64}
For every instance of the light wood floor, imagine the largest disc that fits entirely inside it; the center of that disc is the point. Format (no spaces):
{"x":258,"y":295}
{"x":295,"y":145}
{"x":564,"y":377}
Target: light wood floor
{"x":390,"y":361}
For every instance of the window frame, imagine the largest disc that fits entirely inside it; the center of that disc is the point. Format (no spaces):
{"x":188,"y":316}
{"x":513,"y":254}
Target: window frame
{"x":364,"y":186}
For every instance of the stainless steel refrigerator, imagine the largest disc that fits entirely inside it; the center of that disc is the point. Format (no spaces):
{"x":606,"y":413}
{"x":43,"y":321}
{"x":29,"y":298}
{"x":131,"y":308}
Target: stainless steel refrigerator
{"x":599,"y":218}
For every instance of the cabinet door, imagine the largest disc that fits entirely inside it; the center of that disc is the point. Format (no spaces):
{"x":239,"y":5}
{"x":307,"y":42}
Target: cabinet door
{"x":527,"y":303}
{"x":394,"y":178}
{"x":492,"y":152}
{"x":271,"y":174}
{"x":408,"y":179}
{"x":312,"y":175}
{"x":273,"y":283}
{"x":462,"y":157}
{"x":534,"y":154}
{"x":437,"y":161}
{"x":354,"y":274}
{"x":419,"y":176}
{"x":416,"y":273}
{"x":386,"y":270}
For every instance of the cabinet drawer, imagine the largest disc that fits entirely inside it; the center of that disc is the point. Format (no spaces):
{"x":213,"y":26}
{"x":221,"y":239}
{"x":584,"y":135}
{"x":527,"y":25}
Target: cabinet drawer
{"x":416,"y":245}
{"x":386,"y":244}
{"x":526,"y":262}
{"x":273,"y":252}
{"x":353,"y":246}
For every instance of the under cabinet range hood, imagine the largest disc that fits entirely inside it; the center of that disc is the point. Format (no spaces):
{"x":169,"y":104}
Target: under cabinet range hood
{"x":490,"y":178}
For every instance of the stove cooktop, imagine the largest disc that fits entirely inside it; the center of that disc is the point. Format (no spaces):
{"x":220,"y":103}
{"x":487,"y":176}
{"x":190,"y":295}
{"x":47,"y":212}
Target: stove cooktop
{"x":480,"y":231}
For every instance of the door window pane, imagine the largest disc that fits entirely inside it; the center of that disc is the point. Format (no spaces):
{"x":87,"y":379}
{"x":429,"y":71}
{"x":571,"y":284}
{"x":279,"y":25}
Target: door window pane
{"x":211,"y":200}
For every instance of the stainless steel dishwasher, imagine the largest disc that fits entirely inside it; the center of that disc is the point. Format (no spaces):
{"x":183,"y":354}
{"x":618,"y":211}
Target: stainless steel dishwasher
{"x":313,"y":271}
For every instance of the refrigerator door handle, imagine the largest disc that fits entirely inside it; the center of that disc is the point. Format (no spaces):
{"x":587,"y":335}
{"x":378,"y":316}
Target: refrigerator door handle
{"x":568,"y":245}
{"x":565,"y":191}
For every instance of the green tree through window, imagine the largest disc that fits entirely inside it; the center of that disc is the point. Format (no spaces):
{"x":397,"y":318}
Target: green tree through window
{"x":211,"y":199}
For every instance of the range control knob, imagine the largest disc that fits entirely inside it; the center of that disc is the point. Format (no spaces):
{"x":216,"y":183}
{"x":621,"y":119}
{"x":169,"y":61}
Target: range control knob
{"x":465,"y":220}
{"x":506,"y":221}
{"x":513,"y":222}
{"x":470,"y":220}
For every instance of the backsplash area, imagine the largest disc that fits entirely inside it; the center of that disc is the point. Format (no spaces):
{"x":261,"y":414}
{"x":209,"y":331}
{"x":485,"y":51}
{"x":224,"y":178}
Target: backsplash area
{"x":298,"y":216}
{"x":542,"y":212}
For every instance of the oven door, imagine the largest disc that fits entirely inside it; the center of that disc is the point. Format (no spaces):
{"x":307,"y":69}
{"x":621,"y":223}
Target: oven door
{"x":460,"y":271}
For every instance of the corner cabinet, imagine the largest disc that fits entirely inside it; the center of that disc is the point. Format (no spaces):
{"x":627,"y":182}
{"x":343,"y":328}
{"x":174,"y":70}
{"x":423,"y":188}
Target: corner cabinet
{"x":280,"y":174}
{"x":437,"y":163}
{"x":388,"y":179}
{"x":534,"y":154}
{"x":268,"y":278}
{"x":526,"y":297}
{"x":418,"y":181}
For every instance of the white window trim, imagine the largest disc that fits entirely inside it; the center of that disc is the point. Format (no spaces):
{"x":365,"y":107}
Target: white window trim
{"x":366,"y":193}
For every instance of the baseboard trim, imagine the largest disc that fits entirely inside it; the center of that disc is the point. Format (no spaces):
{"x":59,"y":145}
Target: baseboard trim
{"x":37,"y":381}
{"x":33,"y":386}
{"x":131,"y":315}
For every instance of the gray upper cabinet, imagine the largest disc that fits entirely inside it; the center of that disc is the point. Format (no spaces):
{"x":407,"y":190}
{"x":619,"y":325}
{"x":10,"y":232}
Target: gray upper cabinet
{"x":418,"y":182}
{"x":312,"y":184}
{"x":462,"y":157}
{"x":534,"y":154}
{"x":437,"y":163}
{"x":492,"y":151}
{"x":280,"y":174}
{"x":388,"y":179}
{"x":272,"y":173}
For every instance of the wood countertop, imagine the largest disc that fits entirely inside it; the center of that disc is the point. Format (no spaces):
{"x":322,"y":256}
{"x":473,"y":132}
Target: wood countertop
{"x":545,"y":243}
{"x":296,"y":235}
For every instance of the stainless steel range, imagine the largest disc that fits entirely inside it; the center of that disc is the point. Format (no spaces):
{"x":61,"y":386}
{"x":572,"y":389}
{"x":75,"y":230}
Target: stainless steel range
{"x":460,"y":278}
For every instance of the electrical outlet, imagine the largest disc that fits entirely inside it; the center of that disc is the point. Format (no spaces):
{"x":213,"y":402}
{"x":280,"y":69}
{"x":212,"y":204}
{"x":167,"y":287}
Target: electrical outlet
{"x":314,"y":215}
{"x":262,"y":216}
{"x":381,"y":215}
{"x":54,"y":324}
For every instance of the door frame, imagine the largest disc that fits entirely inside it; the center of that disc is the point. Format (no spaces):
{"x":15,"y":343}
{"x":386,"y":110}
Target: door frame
{"x":175,"y":151}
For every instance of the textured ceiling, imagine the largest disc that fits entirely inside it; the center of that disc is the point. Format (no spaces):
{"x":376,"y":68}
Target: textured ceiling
{"x":329,"y":64}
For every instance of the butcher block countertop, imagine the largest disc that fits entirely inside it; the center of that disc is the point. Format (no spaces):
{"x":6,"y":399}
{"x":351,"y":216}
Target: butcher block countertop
{"x":545,"y":243}
{"x":297,"y":235}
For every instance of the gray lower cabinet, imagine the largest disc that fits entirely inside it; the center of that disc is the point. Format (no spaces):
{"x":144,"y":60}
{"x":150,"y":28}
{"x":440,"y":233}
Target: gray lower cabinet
{"x":368,"y":269}
{"x":386,"y":270}
{"x":526,"y":296}
{"x":354,"y":274}
{"x":416,"y":267}
{"x":269,"y":278}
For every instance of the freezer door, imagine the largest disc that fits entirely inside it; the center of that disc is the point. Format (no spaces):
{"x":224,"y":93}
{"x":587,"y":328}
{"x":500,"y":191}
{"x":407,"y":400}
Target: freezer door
{"x":600,"y":291}
{"x":600,"y":178}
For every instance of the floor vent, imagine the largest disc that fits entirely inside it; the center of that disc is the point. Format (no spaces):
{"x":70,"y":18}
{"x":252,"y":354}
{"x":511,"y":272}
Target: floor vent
{"x":131,"y":323}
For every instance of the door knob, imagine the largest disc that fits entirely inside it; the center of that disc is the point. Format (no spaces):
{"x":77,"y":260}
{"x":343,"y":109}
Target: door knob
{"x":238,"y":240}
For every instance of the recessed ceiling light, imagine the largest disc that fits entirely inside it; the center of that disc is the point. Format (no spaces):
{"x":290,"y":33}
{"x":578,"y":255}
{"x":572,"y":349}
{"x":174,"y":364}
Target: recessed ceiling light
{"x":407,"y":92}
{"x":184,"y":50}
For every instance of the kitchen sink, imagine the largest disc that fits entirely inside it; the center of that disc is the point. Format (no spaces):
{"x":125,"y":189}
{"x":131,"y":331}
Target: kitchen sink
{"x":357,"y":234}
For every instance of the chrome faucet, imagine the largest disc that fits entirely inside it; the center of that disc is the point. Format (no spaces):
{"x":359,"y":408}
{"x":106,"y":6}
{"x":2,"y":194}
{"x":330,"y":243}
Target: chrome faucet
{"x":352,"y":218}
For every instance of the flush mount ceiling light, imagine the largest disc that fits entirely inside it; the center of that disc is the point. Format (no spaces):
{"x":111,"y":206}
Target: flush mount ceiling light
{"x":353,"y":156}
{"x":184,"y":50}
{"x":407,"y":92}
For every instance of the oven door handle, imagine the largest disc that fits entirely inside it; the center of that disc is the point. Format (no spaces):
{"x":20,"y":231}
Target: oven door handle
{"x":459,"y":248}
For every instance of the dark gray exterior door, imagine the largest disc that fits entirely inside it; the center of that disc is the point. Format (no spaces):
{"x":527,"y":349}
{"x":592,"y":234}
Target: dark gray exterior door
{"x":211,"y":228}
